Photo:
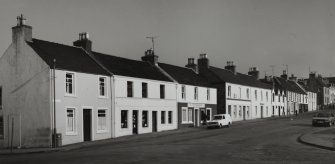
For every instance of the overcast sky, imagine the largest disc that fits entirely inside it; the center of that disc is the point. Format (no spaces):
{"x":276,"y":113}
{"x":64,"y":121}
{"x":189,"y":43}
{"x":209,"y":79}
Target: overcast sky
{"x":299,"y":33}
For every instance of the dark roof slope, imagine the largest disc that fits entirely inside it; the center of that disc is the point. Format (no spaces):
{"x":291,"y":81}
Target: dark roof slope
{"x":185,"y":75}
{"x":238,"y":78}
{"x":132,"y":68}
{"x":67,"y":57}
{"x":289,"y":85}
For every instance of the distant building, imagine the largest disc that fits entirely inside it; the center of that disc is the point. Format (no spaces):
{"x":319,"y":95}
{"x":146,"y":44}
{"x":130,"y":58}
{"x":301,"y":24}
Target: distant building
{"x":242,"y":96}
{"x":322,"y":86}
{"x":196,"y":97}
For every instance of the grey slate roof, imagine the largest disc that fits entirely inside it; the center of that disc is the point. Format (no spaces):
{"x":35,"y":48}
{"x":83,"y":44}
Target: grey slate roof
{"x":67,"y":57}
{"x":129,"y":67}
{"x":289,"y":85}
{"x":238,"y":78}
{"x":185,"y":75}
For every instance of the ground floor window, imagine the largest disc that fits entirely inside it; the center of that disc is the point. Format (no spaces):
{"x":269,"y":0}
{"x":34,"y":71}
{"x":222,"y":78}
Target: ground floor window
{"x":190,"y":115}
{"x":184,"y":115}
{"x":256,"y":110}
{"x":102,"y":121}
{"x":240,"y":111}
{"x":163,"y":117}
{"x":70,"y":121}
{"x":144,"y":118}
{"x":170,"y":117}
{"x":1,"y":128}
{"x":124,"y":119}
{"x":247,"y":111}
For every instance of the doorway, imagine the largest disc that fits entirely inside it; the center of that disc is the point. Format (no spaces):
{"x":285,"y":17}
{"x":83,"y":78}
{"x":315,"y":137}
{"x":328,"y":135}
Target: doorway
{"x":87,"y":122}
{"x":154,"y":121}
{"x":135,"y":121}
{"x":262,"y":111}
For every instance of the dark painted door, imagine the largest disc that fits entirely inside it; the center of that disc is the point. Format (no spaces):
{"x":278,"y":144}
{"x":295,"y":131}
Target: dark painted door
{"x":261,"y":111}
{"x":135,"y":121}
{"x":154,"y":121}
{"x":87,"y":124}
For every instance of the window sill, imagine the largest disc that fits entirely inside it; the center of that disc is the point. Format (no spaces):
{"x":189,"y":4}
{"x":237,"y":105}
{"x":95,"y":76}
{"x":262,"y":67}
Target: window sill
{"x":71,"y":133}
{"x":68,"y":95}
{"x":102,"y":131}
{"x":103,"y":97}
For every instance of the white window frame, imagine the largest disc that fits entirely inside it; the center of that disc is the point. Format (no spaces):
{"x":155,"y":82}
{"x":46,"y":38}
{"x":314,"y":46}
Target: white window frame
{"x":74,"y":89}
{"x":107,"y":122}
{"x":105,"y":87}
{"x":183,"y":92}
{"x":75,"y":121}
{"x":186,"y":115}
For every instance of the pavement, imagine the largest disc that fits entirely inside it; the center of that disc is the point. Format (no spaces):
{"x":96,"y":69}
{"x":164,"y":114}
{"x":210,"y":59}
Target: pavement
{"x":323,"y":137}
{"x":316,"y":138}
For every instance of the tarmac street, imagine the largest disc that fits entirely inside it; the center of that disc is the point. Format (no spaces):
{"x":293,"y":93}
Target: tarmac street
{"x":259,"y":141}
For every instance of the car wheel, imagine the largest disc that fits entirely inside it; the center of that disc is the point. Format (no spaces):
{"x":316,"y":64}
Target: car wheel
{"x":228,"y":124}
{"x":220,"y":126}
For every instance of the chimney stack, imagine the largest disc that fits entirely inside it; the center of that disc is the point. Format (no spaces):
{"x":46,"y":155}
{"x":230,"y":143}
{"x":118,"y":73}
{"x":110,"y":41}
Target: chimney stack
{"x":191,"y":64}
{"x":84,"y":42}
{"x":312,"y":75}
{"x":21,"y":32}
{"x":293,"y":78}
{"x":253,"y":71}
{"x":149,"y":56}
{"x":203,"y":63}
{"x":284,"y":75}
{"x":230,"y":66}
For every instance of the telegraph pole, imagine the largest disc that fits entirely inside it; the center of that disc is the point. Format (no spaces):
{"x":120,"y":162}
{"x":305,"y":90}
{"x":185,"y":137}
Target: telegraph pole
{"x":54,"y":88}
{"x":152,"y":38}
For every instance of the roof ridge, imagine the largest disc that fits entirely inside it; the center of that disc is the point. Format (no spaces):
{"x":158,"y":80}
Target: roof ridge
{"x":57,"y":43}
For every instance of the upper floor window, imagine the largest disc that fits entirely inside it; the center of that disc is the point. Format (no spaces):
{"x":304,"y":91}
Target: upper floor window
{"x":239,"y":91}
{"x":247,"y":93}
{"x":229,"y":91}
{"x":102,"y":86}
{"x":261,"y":95}
{"x":195,"y":93}
{"x":208,"y":94}
{"x":144,"y":90}
{"x":255,"y":94}
{"x":273,"y":97}
{"x":183,"y":92}
{"x":162,"y":91}
{"x":129,"y":89}
{"x":267,"y":96}
{"x":69,"y":79}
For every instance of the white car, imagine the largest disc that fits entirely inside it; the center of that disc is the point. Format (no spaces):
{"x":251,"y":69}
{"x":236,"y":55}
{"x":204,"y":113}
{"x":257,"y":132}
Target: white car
{"x":219,"y":121}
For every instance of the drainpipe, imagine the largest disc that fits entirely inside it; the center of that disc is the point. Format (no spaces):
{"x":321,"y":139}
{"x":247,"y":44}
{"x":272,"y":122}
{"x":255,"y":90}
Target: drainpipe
{"x":54,"y":99}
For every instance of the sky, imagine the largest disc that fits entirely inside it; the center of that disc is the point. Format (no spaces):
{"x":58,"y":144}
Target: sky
{"x":252,"y":33}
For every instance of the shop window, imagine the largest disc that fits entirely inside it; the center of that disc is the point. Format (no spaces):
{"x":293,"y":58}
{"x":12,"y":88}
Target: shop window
{"x":190,"y":115}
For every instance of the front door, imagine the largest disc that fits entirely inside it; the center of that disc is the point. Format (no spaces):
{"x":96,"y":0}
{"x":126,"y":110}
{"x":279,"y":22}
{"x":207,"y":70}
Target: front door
{"x":196,"y":120}
{"x":135,"y":122}
{"x":87,"y":122}
{"x":243,"y":112}
{"x":154,"y":121}
{"x":262,"y":111}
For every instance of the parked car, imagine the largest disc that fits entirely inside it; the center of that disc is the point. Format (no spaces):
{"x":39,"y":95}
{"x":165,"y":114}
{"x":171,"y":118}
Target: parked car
{"x":326,"y":119}
{"x":220,"y":121}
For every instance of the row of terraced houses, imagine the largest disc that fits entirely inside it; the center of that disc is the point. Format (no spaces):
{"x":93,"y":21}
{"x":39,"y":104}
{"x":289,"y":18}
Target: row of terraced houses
{"x":55,"y":94}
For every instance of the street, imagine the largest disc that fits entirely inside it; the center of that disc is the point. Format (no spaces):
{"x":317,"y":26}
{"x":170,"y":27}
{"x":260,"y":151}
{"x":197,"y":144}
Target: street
{"x":261,"y":141}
